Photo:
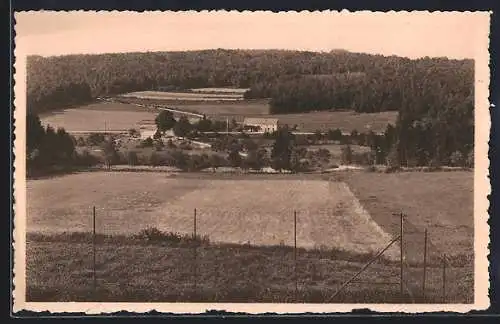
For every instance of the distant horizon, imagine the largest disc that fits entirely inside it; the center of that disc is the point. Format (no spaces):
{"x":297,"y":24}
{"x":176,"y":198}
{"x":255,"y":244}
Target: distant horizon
{"x":413,"y":35}
{"x":255,"y":50}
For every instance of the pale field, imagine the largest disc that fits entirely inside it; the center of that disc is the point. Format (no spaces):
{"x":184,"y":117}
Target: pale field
{"x":231,"y":211}
{"x":221,"y":90}
{"x":183,"y":95}
{"x":98,"y":117}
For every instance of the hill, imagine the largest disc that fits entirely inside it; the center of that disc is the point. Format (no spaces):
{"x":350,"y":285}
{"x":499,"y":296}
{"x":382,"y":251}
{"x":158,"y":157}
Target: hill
{"x":434,"y":96}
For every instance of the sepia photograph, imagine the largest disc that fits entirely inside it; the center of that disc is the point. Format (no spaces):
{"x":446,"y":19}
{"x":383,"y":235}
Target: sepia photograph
{"x":251,"y":161}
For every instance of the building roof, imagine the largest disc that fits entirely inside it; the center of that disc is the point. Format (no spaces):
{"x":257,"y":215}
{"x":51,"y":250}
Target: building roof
{"x":260,"y":121}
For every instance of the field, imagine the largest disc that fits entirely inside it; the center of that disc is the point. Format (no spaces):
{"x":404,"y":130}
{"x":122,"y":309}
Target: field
{"x":307,"y":122}
{"x":344,"y":120}
{"x":99,"y":117}
{"x":255,"y":212}
{"x":60,"y":270}
{"x":123,"y":116}
{"x":442,"y":202}
{"x":248,"y":258}
{"x":185,"y":96}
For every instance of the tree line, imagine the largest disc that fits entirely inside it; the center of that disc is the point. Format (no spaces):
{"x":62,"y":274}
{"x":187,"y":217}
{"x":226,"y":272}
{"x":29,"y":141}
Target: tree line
{"x":434,"y":96}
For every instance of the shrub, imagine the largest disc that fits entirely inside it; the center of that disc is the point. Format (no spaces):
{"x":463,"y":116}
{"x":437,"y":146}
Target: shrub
{"x":170,"y":144}
{"x":95,"y":139}
{"x":132,"y":158}
{"x":158,"y":144}
{"x":152,"y":234}
{"x":457,"y":159}
{"x":133,"y":132}
{"x":470,"y":159}
{"x":148,"y":142}
{"x":86,"y":159}
{"x":155,"y":159}
{"x":346,"y":154}
{"x":80,"y":141}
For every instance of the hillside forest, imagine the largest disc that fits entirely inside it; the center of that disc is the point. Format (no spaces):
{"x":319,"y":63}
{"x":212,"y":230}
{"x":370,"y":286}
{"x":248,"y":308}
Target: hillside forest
{"x":434,"y":96}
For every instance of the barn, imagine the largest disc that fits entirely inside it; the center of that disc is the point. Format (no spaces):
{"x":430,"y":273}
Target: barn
{"x":266,"y":125}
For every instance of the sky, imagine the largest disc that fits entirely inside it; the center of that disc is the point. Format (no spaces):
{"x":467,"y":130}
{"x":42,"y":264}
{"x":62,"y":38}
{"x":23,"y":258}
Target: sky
{"x":452,"y":34}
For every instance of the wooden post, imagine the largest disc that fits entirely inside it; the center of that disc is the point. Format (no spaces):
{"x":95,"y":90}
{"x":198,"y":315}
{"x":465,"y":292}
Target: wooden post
{"x":364,"y":268}
{"x":444,"y":278}
{"x":401,"y":251}
{"x":94,"y":251}
{"x":425,"y":265}
{"x":295,"y":252}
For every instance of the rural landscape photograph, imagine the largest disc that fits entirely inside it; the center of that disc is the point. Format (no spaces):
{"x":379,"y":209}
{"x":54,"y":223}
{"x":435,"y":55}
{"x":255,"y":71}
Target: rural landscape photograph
{"x":210,"y":171}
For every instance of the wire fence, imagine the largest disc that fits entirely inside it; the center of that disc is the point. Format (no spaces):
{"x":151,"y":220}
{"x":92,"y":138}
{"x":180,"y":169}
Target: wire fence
{"x":420,"y":268}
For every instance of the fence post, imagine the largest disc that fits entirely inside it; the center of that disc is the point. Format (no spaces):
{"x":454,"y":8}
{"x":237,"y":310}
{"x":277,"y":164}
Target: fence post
{"x":195,"y":266}
{"x":425,"y":265}
{"x":444,"y":278}
{"x":401,"y":251}
{"x":295,"y":252}
{"x":364,"y":268}
{"x":94,"y":277}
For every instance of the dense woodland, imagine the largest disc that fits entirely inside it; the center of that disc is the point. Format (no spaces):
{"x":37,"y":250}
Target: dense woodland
{"x":434,"y":96}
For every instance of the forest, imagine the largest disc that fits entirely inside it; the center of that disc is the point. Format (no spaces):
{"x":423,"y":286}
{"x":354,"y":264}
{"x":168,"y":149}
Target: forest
{"x":434,"y":96}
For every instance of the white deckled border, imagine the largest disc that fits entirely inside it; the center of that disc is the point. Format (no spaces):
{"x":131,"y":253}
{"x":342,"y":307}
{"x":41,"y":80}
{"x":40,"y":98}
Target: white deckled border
{"x":481,"y":203}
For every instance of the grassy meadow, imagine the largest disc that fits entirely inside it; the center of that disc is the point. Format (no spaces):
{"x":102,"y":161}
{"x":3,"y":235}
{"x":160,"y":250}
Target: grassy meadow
{"x":248,"y":258}
{"x":232,"y":211}
{"x":61,"y":270}
{"x":99,"y":117}
{"x":442,"y":202}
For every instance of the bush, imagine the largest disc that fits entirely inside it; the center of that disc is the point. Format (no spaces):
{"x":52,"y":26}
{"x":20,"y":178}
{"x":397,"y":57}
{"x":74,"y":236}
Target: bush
{"x":158,"y":144}
{"x":170,"y":144}
{"x":86,"y":159}
{"x":132,"y":158}
{"x":457,"y":159}
{"x":152,"y":234}
{"x":80,"y":142}
{"x":148,"y":142}
{"x":133,"y":132}
{"x":346,"y":154}
{"x":95,"y":139}
{"x":156,"y":159}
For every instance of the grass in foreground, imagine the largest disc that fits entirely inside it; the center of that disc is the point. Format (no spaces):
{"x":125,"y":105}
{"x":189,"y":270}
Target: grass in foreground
{"x":442,"y":202}
{"x":134,"y":269}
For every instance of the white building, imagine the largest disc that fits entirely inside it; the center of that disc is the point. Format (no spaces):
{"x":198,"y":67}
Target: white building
{"x":266,"y":125}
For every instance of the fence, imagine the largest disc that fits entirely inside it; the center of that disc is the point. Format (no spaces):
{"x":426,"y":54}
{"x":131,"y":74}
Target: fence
{"x":403,"y":292}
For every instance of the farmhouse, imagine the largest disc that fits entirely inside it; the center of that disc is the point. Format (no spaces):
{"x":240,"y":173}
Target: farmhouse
{"x":266,"y":125}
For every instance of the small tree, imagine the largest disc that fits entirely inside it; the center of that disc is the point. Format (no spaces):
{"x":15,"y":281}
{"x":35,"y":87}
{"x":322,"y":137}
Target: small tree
{"x":346,"y":154}
{"x":335,"y":135}
{"x":182,"y":127}
{"x":179,"y":159}
{"x":170,"y":144}
{"x":80,"y":141}
{"x":158,"y":144}
{"x":157,"y":135}
{"x":318,"y":135}
{"x":470,"y":159}
{"x":234,"y":158}
{"x":282,"y":149}
{"x":155,"y":159}
{"x":457,"y":159}
{"x":110,"y":153}
{"x":204,"y":125}
{"x":164,"y":121}
{"x":132,"y":158}
{"x":148,"y":142}
{"x":133,"y":132}
{"x":215,"y":161}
